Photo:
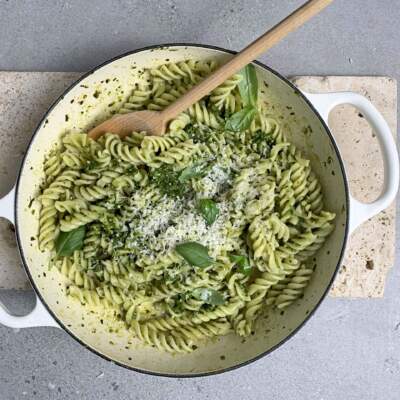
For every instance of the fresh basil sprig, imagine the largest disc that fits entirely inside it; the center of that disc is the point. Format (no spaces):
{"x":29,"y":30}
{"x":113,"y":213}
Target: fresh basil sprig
{"x":195,"y":254}
{"x":241,"y":120}
{"x":248,"y":86}
{"x":208,"y":295}
{"x":243,"y":263}
{"x":209,"y":210}
{"x":68,"y":242}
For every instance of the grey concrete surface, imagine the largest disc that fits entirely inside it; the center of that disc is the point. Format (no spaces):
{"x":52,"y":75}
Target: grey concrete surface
{"x":351,"y":348}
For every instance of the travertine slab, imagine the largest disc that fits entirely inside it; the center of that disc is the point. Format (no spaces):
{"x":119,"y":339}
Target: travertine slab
{"x":371,"y":249}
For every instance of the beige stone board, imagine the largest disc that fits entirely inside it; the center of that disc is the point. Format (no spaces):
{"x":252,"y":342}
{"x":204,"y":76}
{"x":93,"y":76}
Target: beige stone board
{"x":24,"y":98}
{"x":371,"y":249}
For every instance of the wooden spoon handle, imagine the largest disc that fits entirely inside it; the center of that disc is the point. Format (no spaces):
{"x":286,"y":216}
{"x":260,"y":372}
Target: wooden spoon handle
{"x":260,"y":45}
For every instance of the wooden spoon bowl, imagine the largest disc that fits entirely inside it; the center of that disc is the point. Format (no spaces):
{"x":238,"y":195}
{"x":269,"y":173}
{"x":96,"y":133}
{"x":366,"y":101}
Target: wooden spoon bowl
{"x":151,"y":122}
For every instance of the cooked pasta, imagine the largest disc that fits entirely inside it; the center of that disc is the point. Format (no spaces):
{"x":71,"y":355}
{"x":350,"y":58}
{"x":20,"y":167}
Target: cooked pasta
{"x":190,"y":235}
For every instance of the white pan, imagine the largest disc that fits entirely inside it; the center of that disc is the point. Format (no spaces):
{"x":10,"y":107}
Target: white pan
{"x":299,"y":110}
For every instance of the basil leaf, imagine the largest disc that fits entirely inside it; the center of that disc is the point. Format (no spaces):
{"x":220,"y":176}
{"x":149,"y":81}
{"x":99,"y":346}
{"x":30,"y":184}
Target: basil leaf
{"x":68,"y":242}
{"x":248,"y":86}
{"x":193,"y":171}
{"x":243,"y":263}
{"x":195,"y":254}
{"x":208,"y":209}
{"x":241,"y":120}
{"x":209,"y":296}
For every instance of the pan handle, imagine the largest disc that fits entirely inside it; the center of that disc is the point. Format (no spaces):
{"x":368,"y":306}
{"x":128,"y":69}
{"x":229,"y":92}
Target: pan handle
{"x":39,"y":316}
{"x":7,"y":206}
{"x":360,"y":212}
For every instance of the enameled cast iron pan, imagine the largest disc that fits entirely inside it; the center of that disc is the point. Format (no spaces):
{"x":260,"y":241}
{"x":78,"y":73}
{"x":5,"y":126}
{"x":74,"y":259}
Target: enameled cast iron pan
{"x":297,"y":111}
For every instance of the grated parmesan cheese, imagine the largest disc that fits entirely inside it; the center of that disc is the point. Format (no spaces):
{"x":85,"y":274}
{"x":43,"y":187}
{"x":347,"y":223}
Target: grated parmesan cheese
{"x":190,"y":226}
{"x":156,"y":218}
{"x":213,"y":183}
{"x":158,"y":226}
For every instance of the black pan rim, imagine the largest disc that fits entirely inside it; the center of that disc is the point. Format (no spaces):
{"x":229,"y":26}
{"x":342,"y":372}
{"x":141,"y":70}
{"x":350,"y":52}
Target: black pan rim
{"x":233,"y":367}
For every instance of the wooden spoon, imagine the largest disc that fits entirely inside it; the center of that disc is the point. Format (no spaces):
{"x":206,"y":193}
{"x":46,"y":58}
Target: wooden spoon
{"x":155,"y":122}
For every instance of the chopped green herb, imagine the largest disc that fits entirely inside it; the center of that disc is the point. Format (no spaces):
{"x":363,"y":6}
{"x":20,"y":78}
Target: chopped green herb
{"x":262,"y":143}
{"x":167,"y":181}
{"x":132,"y":169}
{"x":262,"y":137}
{"x":201,"y":134}
{"x":91,"y":165}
